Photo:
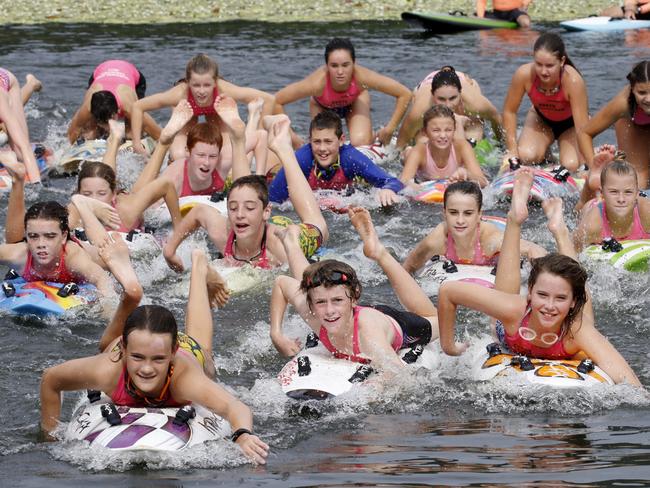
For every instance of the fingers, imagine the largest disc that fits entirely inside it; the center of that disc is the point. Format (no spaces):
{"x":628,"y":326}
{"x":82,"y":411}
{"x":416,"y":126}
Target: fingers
{"x":254,"y":449}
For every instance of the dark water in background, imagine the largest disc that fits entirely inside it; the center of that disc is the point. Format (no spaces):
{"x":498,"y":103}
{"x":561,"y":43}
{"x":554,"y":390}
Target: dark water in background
{"x":440,"y":428}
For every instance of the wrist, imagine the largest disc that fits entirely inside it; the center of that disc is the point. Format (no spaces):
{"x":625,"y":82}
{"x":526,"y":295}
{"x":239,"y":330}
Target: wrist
{"x":238,"y":433}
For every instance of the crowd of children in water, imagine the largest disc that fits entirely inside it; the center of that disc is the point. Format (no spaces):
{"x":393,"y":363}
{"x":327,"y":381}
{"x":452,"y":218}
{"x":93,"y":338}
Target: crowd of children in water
{"x":145,"y":360}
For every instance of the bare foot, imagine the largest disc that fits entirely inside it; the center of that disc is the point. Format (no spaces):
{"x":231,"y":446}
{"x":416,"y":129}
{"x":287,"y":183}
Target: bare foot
{"x":255,"y":112}
{"x":269,"y":120}
{"x":372,"y":246}
{"x":35,"y":83}
{"x":226,"y":108}
{"x":15,"y":169}
{"x":280,"y":135}
{"x":115,"y":254}
{"x":218,"y":292}
{"x":117,"y":129}
{"x":520,"y":192}
{"x":173,"y":260}
{"x":553,"y":210}
{"x":604,"y":156}
{"x":181,"y":115}
{"x":104,"y":212}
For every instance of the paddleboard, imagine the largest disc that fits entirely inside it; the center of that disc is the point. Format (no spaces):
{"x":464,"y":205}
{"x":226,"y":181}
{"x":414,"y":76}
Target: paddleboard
{"x":447,"y":23}
{"x":632,"y":255}
{"x":42,"y":297}
{"x":151,"y":429}
{"x":314,"y":374}
{"x":570,"y":373}
{"x":432,"y":191}
{"x":440,"y":269}
{"x":378,"y":153}
{"x":91,"y":150}
{"x":604,"y":24}
{"x":545,"y":185}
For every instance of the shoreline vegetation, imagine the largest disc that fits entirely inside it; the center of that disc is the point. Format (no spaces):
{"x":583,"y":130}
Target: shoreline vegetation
{"x":186,"y":11}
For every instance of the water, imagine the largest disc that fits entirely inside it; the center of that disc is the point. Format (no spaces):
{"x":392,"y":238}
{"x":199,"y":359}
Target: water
{"x":438,"y":428}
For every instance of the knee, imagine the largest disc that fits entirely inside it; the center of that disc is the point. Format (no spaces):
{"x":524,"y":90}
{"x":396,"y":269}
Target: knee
{"x":133,"y":291}
{"x":528,"y":154}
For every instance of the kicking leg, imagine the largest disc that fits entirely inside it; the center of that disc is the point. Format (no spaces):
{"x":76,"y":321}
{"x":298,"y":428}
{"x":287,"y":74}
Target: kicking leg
{"x":226,"y":108}
{"x":32,"y":84}
{"x":508,"y":276}
{"x":15,"y":225}
{"x":115,"y":138}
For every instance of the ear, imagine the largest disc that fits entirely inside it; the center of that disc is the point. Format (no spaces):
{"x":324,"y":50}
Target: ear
{"x":266,"y":214}
{"x":342,"y":139}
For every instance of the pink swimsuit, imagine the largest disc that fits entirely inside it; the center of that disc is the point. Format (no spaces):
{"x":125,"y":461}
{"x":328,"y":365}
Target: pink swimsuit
{"x":356,"y":356}
{"x":5,"y":80}
{"x":640,"y":117}
{"x":478,"y":259}
{"x":554,"y":107}
{"x":111,"y":74}
{"x":60,"y":275}
{"x":209,"y":110}
{"x":334,"y":99}
{"x":261,"y":261}
{"x":186,"y":190}
{"x":434,"y":172}
{"x":519,"y":345}
{"x":637,"y":232}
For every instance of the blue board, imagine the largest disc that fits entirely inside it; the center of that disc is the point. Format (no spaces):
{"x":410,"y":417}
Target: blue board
{"x":604,"y":24}
{"x":41,"y":298}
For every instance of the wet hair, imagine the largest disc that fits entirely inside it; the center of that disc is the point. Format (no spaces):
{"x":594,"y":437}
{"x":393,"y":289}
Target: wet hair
{"x":464,"y":188}
{"x":329,"y":273}
{"x":639,"y":74}
{"x":103,"y":105}
{"x":201,"y":64}
{"x":257,"y":183}
{"x":554,"y":44}
{"x":620,"y":167}
{"x":154,"y":318}
{"x":447,"y":76}
{"x":92,"y":169}
{"x":49,"y":210}
{"x":206,"y":133}
{"x":570,"y":270}
{"x":339,"y":43}
{"x":327,"y":120}
{"x":437,"y":111}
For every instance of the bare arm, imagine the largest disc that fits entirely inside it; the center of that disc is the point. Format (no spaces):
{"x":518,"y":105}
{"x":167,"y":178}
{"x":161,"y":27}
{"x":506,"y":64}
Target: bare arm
{"x":287,"y":290}
{"x":412,"y":164}
{"x":511,"y":106}
{"x":312,"y":85}
{"x":246,"y":95}
{"x":431,"y":245}
{"x":480,"y":8}
{"x":80,"y":119}
{"x":468,"y":159}
{"x":412,"y":122}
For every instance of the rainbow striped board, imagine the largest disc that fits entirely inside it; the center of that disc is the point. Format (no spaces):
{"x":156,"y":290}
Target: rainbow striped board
{"x":433,"y":191}
{"x":633,"y":257}
{"x":556,"y":373}
{"x":150,"y":429}
{"x":41,"y":297}
{"x":545,"y":185}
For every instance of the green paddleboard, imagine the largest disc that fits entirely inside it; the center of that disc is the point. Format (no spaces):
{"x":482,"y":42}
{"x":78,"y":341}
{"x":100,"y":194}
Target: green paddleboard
{"x":448,"y":23}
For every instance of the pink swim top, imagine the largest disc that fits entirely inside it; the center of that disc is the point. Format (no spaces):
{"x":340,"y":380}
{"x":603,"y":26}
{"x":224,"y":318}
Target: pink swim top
{"x":186,"y":191}
{"x":208,"y":110}
{"x":60,"y":275}
{"x":637,"y":231}
{"x":5,"y":80}
{"x":554,"y":107}
{"x":432,"y":171}
{"x":260,"y":261}
{"x":356,"y":350}
{"x":478,"y":258}
{"x":113,"y":73}
{"x":519,"y":345}
{"x":334,"y":99}
{"x":640,"y":117}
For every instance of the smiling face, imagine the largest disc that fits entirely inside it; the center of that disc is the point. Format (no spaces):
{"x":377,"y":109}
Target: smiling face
{"x":641,"y":92}
{"x":440,"y":132}
{"x":147,"y":357}
{"x":202,"y":87}
{"x":246,"y":213}
{"x":340,"y":68}
{"x":620,"y":193}
{"x":97,"y":188}
{"x":551,"y":298}
{"x":333,"y":307}
{"x":325,"y":146}
{"x":449,"y":96}
{"x":45,"y":241}
{"x":203,"y":161}
{"x":547,"y":67}
{"x":462,"y":215}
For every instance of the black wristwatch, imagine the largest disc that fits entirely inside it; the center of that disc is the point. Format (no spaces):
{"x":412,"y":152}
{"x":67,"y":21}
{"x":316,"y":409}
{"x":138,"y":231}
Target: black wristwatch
{"x":238,"y":433}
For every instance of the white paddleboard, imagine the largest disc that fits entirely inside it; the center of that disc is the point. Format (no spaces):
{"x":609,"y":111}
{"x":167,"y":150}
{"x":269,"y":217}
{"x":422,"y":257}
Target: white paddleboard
{"x":633,"y":257}
{"x":604,"y":24}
